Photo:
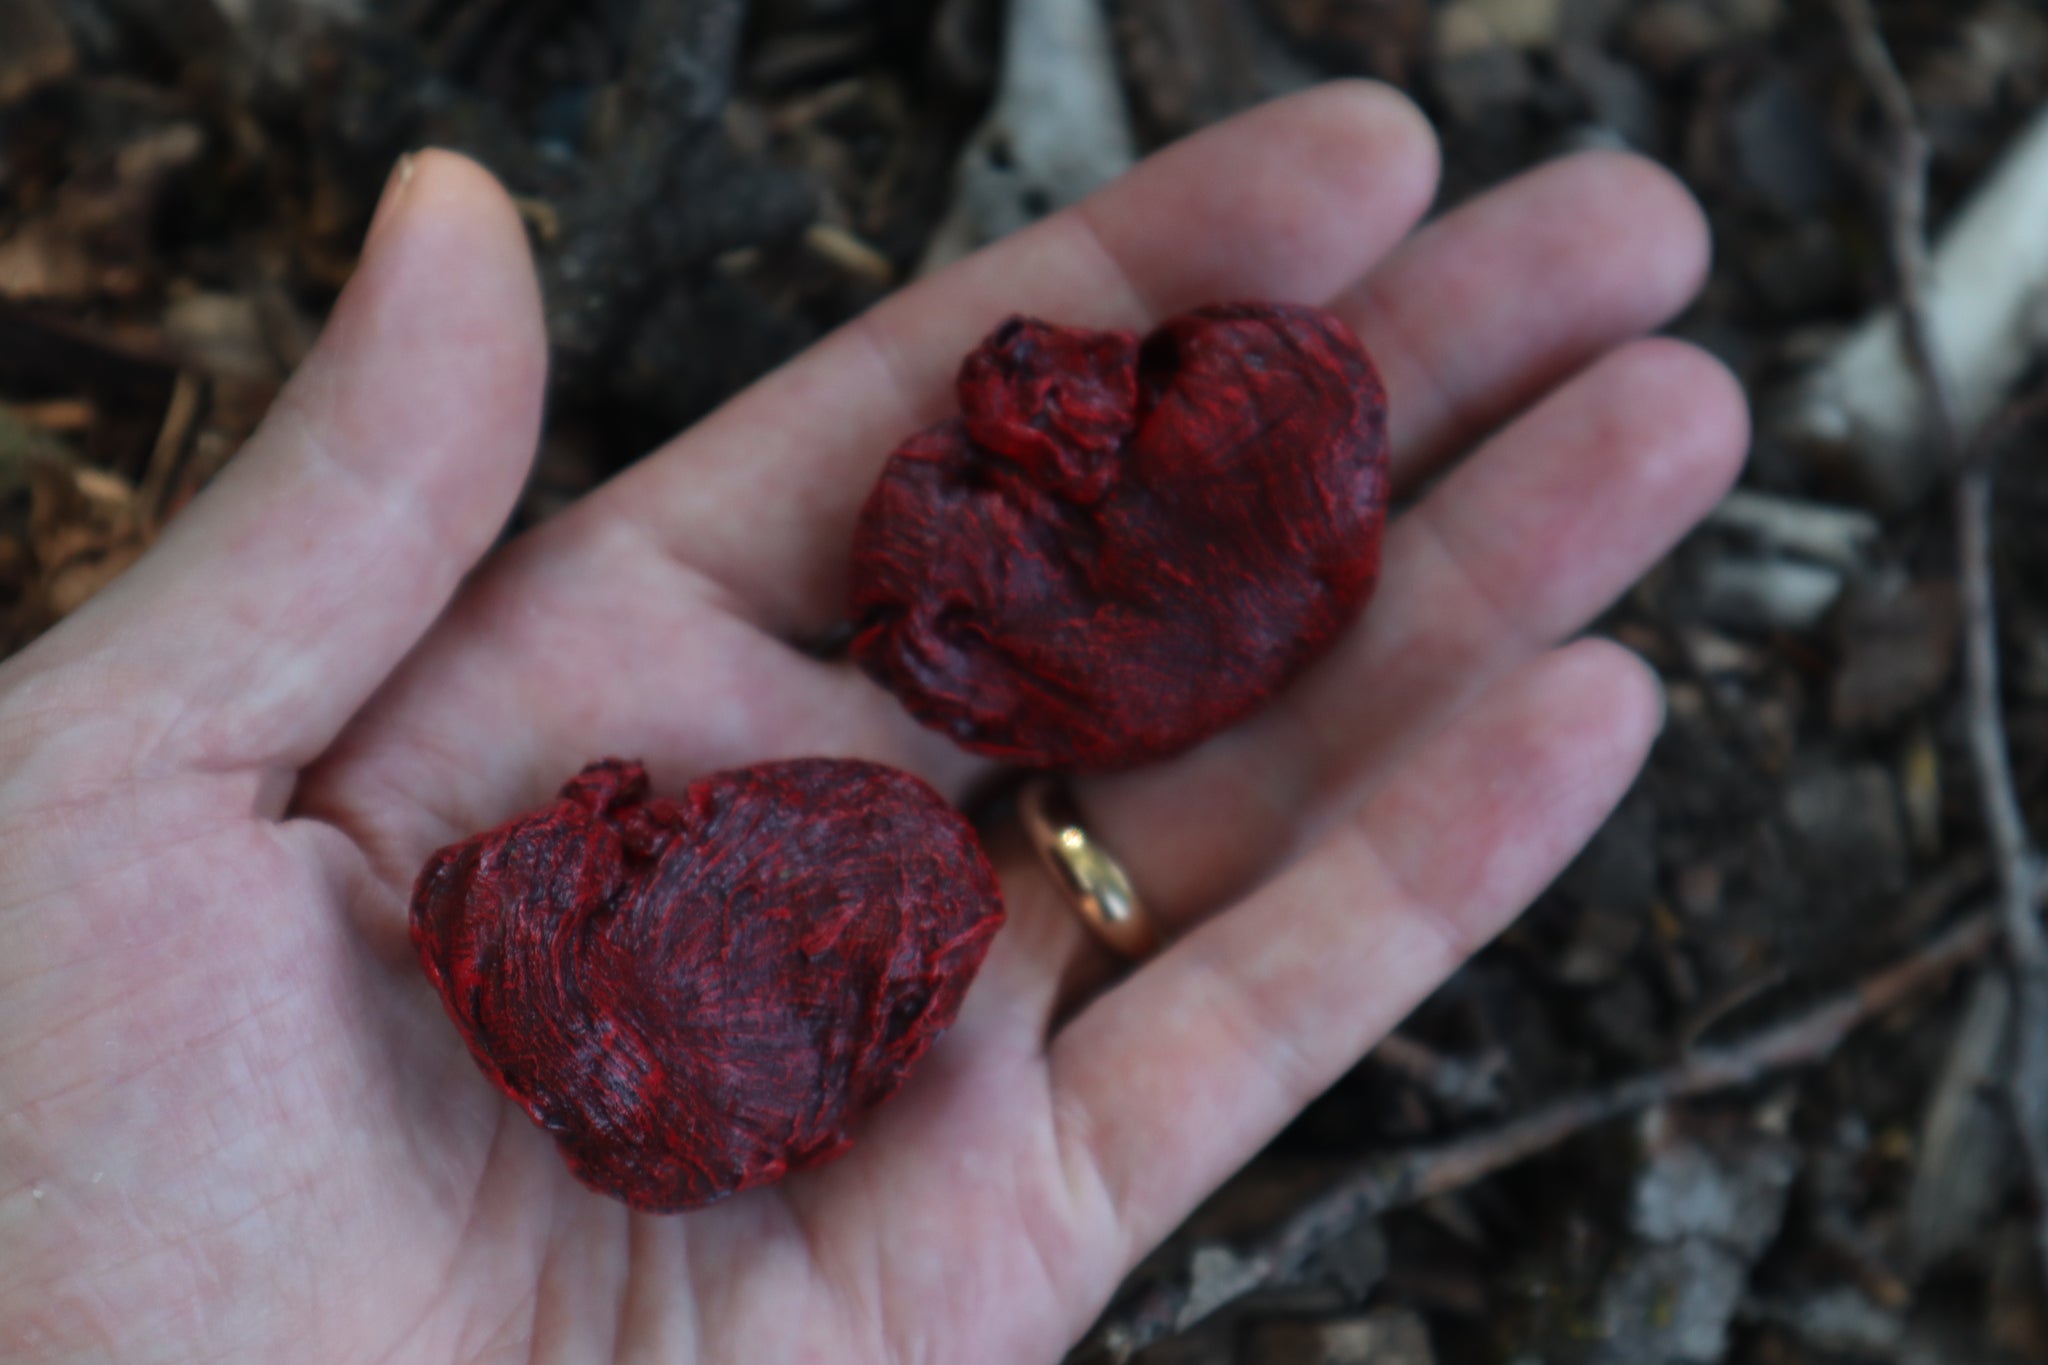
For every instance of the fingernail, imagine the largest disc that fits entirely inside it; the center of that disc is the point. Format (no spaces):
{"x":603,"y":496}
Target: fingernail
{"x":389,"y":201}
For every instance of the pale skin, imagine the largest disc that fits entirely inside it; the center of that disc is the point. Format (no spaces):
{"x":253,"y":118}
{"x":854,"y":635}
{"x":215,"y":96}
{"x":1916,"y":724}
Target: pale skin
{"x":234,"y":1120}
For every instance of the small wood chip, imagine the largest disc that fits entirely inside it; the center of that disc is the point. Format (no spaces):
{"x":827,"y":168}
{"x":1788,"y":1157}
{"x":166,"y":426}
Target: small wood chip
{"x":849,"y":253}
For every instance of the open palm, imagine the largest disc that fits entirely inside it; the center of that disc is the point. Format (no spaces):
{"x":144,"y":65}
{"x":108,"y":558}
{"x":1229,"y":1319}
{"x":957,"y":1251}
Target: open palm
{"x":234,"y":1121}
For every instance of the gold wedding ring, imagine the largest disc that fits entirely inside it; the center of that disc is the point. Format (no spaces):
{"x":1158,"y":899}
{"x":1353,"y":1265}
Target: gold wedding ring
{"x":1094,"y":883}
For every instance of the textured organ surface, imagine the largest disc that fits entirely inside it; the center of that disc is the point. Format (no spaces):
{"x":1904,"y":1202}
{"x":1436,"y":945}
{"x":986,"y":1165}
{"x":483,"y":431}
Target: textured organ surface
{"x":697,"y":995}
{"x":1123,"y":546}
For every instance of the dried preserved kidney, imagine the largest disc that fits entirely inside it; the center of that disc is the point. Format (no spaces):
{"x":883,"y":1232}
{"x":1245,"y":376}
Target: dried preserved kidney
{"x":696,"y":995}
{"x":1124,"y":545}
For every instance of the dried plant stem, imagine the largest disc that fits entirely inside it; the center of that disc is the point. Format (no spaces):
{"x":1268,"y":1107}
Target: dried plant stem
{"x":1905,"y":189}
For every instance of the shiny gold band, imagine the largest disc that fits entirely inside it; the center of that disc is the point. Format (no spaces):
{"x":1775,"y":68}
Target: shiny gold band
{"x":1092,"y":881}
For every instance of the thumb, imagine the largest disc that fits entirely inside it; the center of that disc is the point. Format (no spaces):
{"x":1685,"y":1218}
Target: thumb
{"x":280,"y":599}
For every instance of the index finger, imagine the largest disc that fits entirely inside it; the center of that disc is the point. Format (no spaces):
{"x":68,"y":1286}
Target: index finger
{"x":1292,"y":201}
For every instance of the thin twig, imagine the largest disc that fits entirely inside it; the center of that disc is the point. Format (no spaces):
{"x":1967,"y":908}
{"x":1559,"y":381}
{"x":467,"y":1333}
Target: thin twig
{"x":1905,"y":187}
{"x":1467,"y":1085}
{"x":1971,"y":470}
{"x":1383,"y":1183}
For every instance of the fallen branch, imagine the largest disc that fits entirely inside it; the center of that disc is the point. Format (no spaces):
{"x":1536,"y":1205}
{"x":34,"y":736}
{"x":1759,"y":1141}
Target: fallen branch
{"x":1970,"y":469}
{"x":1215,"y":1277}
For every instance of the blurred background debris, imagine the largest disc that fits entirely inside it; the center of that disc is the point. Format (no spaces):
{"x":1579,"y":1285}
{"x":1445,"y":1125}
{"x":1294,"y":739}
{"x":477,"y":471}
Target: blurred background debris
{"x":1744,"y":1085}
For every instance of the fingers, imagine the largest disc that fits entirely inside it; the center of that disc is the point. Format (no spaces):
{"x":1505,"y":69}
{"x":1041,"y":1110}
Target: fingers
{"x":1517,"y":548}
{"x":281,"y":598}
{"x":1293,"y":201}
{"x":1172,"y":1080}
{"x":1468,"y":321}
{"x":1480,"y":312}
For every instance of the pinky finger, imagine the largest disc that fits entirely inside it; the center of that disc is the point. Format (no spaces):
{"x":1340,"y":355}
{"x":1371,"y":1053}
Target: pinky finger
{"x":1174,"y":1079}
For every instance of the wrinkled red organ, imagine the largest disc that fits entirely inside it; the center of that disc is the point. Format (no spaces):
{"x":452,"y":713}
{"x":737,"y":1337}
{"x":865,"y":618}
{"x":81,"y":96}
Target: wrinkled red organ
{"x":697,"y":995}
{"x":1123,"y":546}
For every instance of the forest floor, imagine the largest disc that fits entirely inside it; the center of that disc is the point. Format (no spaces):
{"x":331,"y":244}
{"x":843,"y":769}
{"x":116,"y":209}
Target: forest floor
{"x":1745,"y":1085}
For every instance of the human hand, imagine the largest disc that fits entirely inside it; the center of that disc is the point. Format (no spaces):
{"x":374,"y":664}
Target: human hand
{"x":234,"y":1120}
